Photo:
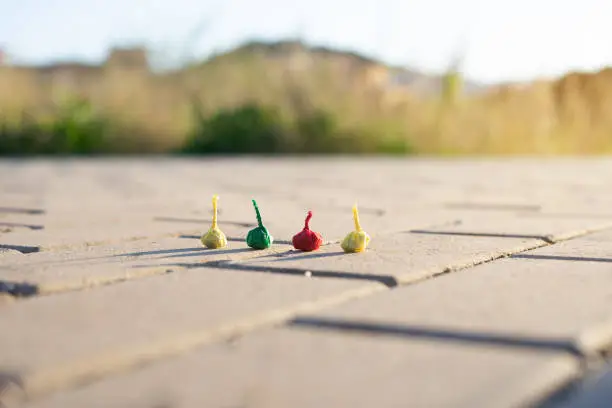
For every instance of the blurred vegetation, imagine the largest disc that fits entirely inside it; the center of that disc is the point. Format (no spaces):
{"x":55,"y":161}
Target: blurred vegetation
{"x":253,"y":128}
{"x":264,"y":99}
{"x":74,"y":129}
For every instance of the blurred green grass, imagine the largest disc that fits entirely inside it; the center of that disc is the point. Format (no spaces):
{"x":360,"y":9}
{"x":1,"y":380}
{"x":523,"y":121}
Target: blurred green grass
{"x":265,"y":100}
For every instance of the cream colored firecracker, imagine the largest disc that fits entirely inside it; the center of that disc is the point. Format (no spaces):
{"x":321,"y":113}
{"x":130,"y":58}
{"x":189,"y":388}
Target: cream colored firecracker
{"x":358,"y":240}
{"x":214,"y":238}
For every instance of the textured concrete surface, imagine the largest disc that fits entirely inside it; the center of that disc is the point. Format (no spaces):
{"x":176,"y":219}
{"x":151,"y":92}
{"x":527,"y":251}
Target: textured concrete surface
{"x":544,"y":296}
{"x":486,"y":284}
{"x":287,"y":368}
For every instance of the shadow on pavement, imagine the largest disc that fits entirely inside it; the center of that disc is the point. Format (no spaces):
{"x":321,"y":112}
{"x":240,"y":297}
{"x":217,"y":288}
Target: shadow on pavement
{"x":432,"y":333}
{"x":205,"y":252}
{"x":161,"y":252}
{"x":16,"y":210}
{"x":20,"y":225}
{"x":479,"y":234}
{"x":387,"y":280}
{"x":308,"y":256}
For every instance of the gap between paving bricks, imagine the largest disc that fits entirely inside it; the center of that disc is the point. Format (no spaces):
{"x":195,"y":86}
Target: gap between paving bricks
{"x":22,"y":249}
{"x":22,"y":210}
{"x":434,"y":334}
{"x":533,"y":208}
{"x":22,"y":290}
{"x":549,"y":239}
{"x":27,"y":249}
{"x":84,"y":371}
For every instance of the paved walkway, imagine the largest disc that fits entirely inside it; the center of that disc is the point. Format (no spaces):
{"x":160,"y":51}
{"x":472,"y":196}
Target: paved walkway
{"x":488,"y":283}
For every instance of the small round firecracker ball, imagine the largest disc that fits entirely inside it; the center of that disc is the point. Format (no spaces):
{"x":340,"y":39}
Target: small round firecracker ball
{"x":214,"y":238}
{"x":307,"y":240}
{"x":358,"y":240}
{"x":259,"y":237}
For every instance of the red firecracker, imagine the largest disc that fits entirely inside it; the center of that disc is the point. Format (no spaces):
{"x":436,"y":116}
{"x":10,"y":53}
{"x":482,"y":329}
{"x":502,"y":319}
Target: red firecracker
{"x":307,"y":240}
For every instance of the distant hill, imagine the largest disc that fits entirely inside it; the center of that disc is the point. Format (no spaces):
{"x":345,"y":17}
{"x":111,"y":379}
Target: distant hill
{"x":395,"y":78}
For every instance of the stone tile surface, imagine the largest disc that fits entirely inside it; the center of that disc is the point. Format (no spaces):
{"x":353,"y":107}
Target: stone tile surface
{"x":58,"y":338}
{"x":547,"y":294}
{"x":70,"y":269}
{"x":303,"y":369}
{"x":97,"y":237}
{"x":544,"y":226}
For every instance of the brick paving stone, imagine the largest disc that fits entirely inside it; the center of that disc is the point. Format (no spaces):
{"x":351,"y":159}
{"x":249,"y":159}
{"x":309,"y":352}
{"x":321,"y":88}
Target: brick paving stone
{"x":77,"y":237}
{"x":55,"y":339}
{"x":56,"y":271}
{"x":5,"y":299}
{"x":560,"y":293}
{"x":300,"y":368}
{"x":535,"y":225}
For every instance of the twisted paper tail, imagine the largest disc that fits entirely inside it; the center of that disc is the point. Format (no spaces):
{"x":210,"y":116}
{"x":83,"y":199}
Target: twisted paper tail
{"x":215,"y":199}
{"x":356,"y":219}
{"x":308,"y":217}
{"x":257,"y":213}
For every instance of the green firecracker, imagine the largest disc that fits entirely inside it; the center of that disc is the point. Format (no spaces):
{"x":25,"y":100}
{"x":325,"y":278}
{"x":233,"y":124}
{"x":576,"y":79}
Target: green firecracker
{"x":259,"y":237}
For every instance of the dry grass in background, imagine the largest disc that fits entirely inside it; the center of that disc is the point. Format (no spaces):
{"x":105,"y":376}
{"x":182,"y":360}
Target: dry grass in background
{"x":155,"y":112}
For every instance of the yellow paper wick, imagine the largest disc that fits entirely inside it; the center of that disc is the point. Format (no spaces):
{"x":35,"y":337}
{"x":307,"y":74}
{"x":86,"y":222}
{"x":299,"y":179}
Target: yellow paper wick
{"x":356,"y":218}
{"x":215,"y":200}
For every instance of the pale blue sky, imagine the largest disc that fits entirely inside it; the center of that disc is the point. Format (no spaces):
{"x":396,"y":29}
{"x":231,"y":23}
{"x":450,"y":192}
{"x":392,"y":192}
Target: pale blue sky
{"x":502,"y":39}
